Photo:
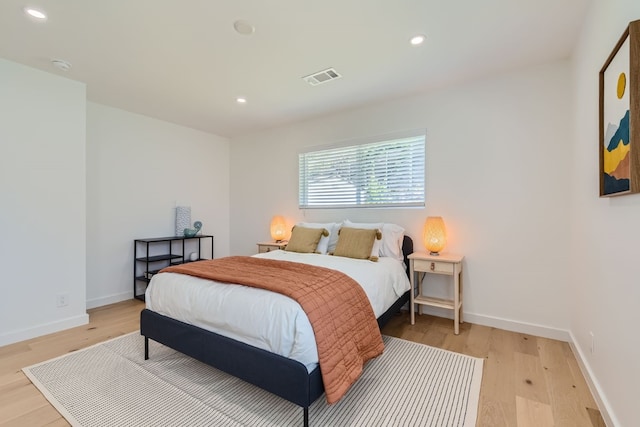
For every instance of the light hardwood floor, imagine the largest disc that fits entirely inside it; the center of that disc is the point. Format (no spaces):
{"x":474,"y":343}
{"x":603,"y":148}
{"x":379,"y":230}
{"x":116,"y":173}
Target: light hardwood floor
{"x":527,"y":380}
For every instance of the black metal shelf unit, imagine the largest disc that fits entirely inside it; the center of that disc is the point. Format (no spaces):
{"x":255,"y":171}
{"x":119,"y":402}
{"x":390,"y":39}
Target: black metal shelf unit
{"x":173,"y":251}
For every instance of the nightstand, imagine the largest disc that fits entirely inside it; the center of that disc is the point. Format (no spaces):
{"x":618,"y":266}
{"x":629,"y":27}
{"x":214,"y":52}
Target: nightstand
{"x":422,"y":263}
{"x":271,"y":246}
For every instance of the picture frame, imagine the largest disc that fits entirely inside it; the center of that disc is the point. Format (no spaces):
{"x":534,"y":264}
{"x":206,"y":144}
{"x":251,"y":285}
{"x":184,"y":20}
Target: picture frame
{"x":619,"y":142}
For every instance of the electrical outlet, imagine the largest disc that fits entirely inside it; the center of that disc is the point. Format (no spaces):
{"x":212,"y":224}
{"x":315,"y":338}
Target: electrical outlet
{"x":62,"y":300}
{"x":593,"y":342}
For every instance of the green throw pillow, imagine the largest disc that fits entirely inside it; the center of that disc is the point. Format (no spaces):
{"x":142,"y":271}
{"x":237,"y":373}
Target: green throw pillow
{"x":357,"y":243}
{"x":305,"y":240}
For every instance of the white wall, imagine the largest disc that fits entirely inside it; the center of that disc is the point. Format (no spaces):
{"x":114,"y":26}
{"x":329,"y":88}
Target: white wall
{"x":498,"y":155}
{"x":42,"y":207}
{"x":137,"y":169}
{"x":605,"y":272}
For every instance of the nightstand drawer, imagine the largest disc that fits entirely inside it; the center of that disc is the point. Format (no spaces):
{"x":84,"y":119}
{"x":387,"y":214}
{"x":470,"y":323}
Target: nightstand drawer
{"x":271,"y":246}
{"x":433,"y":266}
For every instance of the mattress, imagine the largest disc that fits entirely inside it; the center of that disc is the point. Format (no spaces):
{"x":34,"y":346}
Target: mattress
{"x":265,"y":319}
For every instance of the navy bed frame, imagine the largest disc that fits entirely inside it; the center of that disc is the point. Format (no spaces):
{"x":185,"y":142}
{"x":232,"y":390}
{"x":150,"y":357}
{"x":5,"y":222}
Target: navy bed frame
{"x":279,"y":375}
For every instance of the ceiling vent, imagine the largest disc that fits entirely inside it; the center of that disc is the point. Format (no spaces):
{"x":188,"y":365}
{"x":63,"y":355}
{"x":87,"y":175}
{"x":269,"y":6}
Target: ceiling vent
{"x":322,"y":77}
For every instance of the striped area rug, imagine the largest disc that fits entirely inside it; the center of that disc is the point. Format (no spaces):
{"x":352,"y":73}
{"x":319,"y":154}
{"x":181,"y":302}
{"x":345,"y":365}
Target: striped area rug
{"x":110,"y":384}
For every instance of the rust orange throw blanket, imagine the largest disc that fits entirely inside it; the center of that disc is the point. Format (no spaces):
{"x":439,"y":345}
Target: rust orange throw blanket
{"x":346,"y":330}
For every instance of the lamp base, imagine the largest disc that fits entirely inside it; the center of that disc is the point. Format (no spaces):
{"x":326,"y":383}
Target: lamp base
{"x":434,"y":253}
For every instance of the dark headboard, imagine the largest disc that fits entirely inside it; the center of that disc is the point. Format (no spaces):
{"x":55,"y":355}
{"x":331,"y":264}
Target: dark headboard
{"x":407,"y":249}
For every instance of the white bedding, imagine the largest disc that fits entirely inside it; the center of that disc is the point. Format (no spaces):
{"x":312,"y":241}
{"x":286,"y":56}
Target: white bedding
{"x":265,"y":319}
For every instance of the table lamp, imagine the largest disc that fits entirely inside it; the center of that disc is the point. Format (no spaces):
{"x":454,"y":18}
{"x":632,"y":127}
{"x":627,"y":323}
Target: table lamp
{"x":278,"y":228}
{"x":435,"y":235}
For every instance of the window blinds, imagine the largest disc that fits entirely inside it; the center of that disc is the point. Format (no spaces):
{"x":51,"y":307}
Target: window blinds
{"x":387,"y":173}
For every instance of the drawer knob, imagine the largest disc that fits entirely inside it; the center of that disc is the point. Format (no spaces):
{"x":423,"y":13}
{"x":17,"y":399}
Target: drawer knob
{"x":433,"y":266}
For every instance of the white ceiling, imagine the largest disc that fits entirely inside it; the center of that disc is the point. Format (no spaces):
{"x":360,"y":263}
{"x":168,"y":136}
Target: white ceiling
{"x":183,"y":62}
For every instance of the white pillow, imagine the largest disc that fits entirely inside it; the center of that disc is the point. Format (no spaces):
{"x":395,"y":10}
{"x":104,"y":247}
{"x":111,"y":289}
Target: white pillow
{"x":333,"y":237}
{"x":377,"y":244}
{"x":392,"y":238}
{"x":324,"y":243}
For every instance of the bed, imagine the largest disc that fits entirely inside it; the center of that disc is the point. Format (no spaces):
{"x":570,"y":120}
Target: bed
{"x":296,"y":379}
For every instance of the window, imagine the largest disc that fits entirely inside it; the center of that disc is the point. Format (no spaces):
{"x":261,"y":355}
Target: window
{"x":386,"y":173}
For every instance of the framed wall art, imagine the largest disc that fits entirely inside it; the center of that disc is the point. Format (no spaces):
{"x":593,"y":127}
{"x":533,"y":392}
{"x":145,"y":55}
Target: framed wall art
{"x":620,"y":117}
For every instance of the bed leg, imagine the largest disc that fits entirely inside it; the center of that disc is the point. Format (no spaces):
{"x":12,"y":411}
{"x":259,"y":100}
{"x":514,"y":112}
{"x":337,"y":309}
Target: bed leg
{"x":146,"y":348}
{"x":306,"y":416}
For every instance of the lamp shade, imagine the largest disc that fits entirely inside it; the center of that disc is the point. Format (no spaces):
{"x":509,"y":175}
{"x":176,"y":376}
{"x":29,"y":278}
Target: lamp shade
{"x":278,"y":228}
{"x":435,"y":234}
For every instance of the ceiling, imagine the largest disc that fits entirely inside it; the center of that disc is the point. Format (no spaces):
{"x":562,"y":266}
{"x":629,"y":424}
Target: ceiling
{"x":182,"y":61}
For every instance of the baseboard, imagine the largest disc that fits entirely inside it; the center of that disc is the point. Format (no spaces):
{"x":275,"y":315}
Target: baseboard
{"x":110,"y":299}
{"x":594,"y":385}
{"x":506,"y":324}
{"x":60,"y":325}
{"x":47,"y":328}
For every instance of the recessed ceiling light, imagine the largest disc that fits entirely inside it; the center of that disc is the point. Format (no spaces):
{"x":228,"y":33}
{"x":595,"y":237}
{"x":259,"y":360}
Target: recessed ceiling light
{"x":417,"y":40}
{"x":241,"y":100}
{"x":35,"y":13}
{"x":243,"y":27}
